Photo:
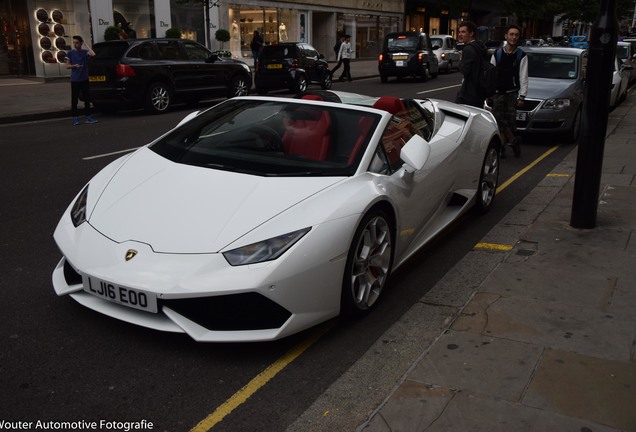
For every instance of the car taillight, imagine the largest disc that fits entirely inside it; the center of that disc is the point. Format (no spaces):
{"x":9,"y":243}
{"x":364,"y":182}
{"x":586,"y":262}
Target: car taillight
{"x":294,"y":64}
{"x":124,"y":71}
{"x":420,"y":56}
{"x":380,"y":57}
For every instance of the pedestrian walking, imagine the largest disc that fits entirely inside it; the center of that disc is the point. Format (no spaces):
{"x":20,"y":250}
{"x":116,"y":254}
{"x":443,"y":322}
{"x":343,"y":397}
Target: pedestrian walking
{"x":512,"y":88}
{"x":76,"y":61}
{"x":336,"y":49}
{"x":256,"y":45}
{"x":344,"y":55}
{"x":472,"y":55}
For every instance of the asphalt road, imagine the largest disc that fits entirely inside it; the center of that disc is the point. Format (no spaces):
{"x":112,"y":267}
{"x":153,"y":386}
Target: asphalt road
{"x":62,"y":362}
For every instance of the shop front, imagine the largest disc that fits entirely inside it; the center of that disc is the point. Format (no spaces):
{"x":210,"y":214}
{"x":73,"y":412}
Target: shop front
{"x":318,"y":26}
{"x":35,"y":35}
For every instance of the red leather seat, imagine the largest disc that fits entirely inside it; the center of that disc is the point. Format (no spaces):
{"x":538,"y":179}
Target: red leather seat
{"x":308,"y":134}
{"x":391,"y":104}
{"x":364,"y":125}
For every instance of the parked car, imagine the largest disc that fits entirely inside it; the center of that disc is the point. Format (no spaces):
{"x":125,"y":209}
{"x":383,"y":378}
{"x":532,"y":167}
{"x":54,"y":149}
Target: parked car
{"x":445,"y":48}
{"x":555,"y":91}
{"x":276,"y":214}
{"x":534,"y":42}
{"x":155,"y":73}
{"x":407,"y":54}
{"x":579,"y":41}
{"x":626,"y":53}
{"x":291,"y":65}
{"x":620,"y":82}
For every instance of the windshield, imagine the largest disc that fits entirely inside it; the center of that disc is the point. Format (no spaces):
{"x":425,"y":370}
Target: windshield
{"x":556,"y":66}
{"x":272,"y":138}
{"x":437,"y":41}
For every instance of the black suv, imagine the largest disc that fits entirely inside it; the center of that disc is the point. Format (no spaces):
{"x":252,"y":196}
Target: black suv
{"x":407,"y":54}
{"x":291,"y":65}
{"x":154,"y":73}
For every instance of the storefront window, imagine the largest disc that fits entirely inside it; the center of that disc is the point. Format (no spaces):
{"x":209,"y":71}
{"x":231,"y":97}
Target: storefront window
{"x":133,"y":17}
{"x":16,"y":49}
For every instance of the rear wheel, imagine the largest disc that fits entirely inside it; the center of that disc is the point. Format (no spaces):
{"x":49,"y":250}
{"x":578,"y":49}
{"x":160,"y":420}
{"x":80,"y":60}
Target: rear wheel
{"x":488,"y":179}
{"x":368,"y":264}
{"x":426,"y":74}
{"x":158,"y":98}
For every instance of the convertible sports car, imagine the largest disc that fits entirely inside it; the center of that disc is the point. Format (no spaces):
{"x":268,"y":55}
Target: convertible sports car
{"x":263,"y":216}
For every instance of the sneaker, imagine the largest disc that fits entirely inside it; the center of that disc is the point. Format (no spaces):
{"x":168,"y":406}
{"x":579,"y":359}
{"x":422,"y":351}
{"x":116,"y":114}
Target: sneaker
{"x":516,"y":146}
{"x":90,"y":120}
{"x":75,"y":121}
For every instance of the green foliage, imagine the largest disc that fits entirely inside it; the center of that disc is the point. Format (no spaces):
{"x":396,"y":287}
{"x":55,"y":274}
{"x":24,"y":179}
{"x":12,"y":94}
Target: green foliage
{"x":222,"y":35}
{"x":173,"y":32}
{"x":111,"y":33}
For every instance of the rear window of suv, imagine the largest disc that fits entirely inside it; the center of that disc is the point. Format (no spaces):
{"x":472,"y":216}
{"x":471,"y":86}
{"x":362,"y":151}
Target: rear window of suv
{"x":401,"y":42}
{"x":278,"y":52}
{"x":110,"y":51}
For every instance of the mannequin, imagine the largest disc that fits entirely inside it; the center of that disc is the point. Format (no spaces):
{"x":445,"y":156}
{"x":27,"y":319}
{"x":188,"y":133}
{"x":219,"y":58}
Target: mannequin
{"x":282,"y":32}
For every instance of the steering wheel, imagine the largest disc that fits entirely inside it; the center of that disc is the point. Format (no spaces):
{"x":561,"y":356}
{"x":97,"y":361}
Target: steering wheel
{"x":273,"y":140}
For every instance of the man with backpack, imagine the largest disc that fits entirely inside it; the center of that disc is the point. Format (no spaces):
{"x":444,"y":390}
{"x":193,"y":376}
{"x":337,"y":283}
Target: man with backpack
{"x":473,"y":54}
{"x":512,"y":88}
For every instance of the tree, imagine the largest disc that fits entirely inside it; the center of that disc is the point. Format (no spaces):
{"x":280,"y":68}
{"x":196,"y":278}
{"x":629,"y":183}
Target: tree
{"x":222,"y":36}
{"x":111,"y":33}
{"x":207,"y":5}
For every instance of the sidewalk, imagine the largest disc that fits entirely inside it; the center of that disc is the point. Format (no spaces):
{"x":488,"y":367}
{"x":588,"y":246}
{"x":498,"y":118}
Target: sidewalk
{"x":27,"y":99}
{"x":533,"y":330}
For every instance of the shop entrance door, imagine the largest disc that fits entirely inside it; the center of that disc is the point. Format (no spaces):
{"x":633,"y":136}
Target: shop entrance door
{"x":16,"y":50}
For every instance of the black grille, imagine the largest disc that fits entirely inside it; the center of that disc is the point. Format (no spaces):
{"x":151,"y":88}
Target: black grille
{"x":529,"y":105}
{"x":70,"y":275}
{"x":249,"y":311}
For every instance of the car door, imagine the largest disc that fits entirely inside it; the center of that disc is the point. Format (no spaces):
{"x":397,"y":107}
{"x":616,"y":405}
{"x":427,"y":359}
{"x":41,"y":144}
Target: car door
{"x":311,"y":62}
{"x":207,"y":76}
{"x":453,"y":52}
{"x":174,"y":64}
{"x":420,"y":196}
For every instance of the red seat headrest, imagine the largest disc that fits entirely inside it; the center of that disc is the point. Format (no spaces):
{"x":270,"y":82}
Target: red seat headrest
{"x":391,"y":104}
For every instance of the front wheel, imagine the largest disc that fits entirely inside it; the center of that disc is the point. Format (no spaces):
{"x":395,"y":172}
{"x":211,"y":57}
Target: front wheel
{"x":488,"y":179}
{"x":301,"y":84}
{"x":327,"y":79}
{"x":159,"y":98}
{"x":239,"y":86}
{"x":368,"y":264}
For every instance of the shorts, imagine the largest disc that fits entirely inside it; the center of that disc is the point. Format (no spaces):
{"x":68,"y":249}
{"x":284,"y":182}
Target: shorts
{"x":505,"y":109}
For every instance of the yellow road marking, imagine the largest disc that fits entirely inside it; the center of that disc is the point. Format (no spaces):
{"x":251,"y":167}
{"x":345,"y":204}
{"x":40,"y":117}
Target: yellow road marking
{"x":493,"y":246}
{"x":558,"y":175}
{"x":526,"y":169}
{"x":260,"y":380}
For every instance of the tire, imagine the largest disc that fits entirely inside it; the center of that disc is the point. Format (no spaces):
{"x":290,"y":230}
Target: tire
{"x":158,"y":98}
{"x":368,"y":264}
{"x":301,"y":84}
{"x":384,"y":79}
{"x":426,"y":74}
{"x":575,"y":131}
{"x":488,"y":179}
{"x":239,"y":86}
{"x":327,"y":80}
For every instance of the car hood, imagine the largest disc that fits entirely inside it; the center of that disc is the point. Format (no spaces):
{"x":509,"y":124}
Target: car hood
{"x":546,"y":88}
{"x":177,"y":208}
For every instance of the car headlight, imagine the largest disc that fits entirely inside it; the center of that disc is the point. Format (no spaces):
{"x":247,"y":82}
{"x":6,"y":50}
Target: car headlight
{"x":78,"y":211}
{"x":266,"y":250}
{"x":556,"y":104}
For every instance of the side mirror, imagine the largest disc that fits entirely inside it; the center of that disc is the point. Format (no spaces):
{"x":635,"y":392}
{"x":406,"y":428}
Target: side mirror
{"x":212,"y":58}
{"x":415,"y":153}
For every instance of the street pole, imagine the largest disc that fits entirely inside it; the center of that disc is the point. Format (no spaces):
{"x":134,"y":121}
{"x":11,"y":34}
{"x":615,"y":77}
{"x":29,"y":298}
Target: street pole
{"x":589,"y":162}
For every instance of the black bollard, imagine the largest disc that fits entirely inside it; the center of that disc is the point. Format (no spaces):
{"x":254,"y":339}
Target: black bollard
{"x":589,"y":162}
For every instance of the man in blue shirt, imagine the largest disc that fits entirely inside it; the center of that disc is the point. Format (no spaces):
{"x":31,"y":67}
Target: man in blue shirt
{"x":76,"y":61}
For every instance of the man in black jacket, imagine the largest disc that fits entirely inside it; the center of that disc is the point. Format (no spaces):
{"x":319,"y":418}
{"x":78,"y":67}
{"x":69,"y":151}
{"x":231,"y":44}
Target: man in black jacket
{"x":472,"y":55}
